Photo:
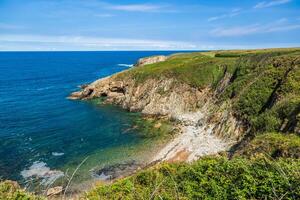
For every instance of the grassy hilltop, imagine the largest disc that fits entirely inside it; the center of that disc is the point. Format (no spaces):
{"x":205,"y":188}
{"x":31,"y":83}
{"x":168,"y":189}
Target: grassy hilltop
{"x":264,"y":93}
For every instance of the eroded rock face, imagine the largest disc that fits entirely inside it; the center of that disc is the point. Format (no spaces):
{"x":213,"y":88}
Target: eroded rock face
{"x":153,"y":97}
{"x":150,"y":60}
{"x":167,"y":97}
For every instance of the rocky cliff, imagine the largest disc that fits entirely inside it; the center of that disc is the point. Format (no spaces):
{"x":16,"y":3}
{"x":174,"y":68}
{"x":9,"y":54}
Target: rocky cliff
{"x":226,"y":95}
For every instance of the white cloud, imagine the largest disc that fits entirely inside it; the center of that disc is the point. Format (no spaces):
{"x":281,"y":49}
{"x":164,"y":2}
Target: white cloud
{"x":266,"y":4}
{"x":277,"y":26}
{"x":233,"y":13}
{"x":137,"y":7}
{"x":89,"y":43}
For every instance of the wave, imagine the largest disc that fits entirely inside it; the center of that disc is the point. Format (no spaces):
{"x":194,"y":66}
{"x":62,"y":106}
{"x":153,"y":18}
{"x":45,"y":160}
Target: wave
{"x":57,"y":154}
{"x":125,"y":65}
{"x":40,"y":89}
{"x":40,"y":170}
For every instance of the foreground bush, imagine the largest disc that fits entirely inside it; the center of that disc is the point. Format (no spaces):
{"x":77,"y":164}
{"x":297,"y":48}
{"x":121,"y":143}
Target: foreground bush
{"x":209,"y":178}
{"x":272,"y":144}
{"x":10,"y":190}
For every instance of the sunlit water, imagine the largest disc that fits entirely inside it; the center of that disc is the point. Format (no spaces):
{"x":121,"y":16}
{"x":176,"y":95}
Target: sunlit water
{"x":44,"y":135}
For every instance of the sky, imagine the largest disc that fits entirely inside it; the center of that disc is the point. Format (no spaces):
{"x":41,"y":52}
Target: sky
{"x":88,"y":25}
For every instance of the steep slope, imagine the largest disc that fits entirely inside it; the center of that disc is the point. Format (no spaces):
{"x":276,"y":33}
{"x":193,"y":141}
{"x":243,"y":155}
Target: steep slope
{"x":257,"y":90}
{"x":249,"y":97}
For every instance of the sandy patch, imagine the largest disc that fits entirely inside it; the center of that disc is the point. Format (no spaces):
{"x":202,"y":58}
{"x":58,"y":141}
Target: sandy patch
{"x":197,"y":139}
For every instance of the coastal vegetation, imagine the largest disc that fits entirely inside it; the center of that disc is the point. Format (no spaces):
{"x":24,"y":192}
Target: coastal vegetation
{"x":209,"y":178}
{"x":263,"y":91}
{"x":259,"y":88}
{"x":10,"y":190}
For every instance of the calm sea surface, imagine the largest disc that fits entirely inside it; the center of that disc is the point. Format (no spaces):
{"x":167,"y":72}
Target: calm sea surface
{"x":44,"y":135}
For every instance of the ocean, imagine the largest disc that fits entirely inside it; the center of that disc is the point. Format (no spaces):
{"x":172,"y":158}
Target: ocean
{"x":43,"y":135}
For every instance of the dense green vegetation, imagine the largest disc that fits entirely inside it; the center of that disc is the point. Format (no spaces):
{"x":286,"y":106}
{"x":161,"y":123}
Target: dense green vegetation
{"x":273,"y":145}
{"x":209,"y":178}
{"x":11,"y":191}
{"x":195,"y":69}
{"x":264,"y":89}
{"x":264,"y":92}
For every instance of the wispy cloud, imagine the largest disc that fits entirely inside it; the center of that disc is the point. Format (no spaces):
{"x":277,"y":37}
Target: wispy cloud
{"x":277,"y":26}
{"x":104,"y":15}
{"x":10,"y":26}
{"x":233,"y":13}
{"x":137,"y":7}
{"x":266,"y":4}
{"x":80,"y":42}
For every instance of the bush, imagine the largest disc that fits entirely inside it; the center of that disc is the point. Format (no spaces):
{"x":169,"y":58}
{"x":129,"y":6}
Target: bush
{"x":274,"y":145}
{"x":209,"y":178}
{"x":10,"y":190}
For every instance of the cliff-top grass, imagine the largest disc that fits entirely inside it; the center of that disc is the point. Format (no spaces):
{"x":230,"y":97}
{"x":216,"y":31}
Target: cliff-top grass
{"x":264,"y":85}
{"x":263,"y":91}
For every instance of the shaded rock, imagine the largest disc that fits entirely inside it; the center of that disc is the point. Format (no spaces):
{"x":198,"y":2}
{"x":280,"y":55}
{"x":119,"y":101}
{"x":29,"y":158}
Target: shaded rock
{"x":83,"y":86}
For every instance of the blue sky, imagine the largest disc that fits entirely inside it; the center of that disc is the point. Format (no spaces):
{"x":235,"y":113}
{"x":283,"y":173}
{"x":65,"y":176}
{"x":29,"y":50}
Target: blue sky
{"x":148,"y":25}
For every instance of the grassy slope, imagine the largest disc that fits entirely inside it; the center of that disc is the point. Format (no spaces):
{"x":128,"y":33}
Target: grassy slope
{"x":209,"y":178}
{"x":264,"y":92}
{"x":11,"y":191}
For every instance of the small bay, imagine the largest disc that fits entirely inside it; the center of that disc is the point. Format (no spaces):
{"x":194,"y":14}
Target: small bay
{"x":43,"y":133}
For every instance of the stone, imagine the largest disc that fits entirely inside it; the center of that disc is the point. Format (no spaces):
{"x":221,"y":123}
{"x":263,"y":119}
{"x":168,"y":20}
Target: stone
{"x":150,"y":60}
{"x":54,"y":191}
{"x":157,"y":125}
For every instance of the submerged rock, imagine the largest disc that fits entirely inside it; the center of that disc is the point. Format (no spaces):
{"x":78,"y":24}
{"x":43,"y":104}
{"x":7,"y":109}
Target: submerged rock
{"x":117,"y":170}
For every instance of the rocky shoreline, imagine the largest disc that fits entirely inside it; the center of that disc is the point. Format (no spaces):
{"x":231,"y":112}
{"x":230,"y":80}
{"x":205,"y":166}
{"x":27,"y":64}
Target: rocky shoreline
{"x":201,"y":122}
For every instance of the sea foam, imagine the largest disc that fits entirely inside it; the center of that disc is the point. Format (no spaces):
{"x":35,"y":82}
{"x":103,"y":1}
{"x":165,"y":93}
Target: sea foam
{"x":57,"y":154}
{"x":125,"y":65}
{"x":40,"y":170}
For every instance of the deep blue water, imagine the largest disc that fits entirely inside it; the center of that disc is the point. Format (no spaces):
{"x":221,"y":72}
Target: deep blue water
{"x":38,"y":123}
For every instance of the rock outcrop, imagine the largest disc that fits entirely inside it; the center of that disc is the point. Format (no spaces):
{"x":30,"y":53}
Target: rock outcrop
{"x":206,"y":127}
{"x":153,"y":97}
{"x":164,"y":97}
{"x":150,"y":60}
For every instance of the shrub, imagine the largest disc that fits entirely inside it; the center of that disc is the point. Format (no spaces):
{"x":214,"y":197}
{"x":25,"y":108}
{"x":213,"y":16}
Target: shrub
{"x":209,"y":178}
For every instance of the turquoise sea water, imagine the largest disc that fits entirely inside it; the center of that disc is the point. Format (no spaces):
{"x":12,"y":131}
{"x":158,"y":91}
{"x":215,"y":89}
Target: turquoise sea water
{"x":44,"y":134}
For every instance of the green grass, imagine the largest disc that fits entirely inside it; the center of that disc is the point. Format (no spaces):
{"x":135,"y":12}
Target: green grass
{"x":264,"y":90}
{"x":209,"y":178}
{"x":11,"y":191}
{"x":274,"y":145}
{"x":195,"y":69}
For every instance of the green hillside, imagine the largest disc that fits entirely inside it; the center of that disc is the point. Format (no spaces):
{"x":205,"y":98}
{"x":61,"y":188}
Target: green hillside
{"x":263,"y":92}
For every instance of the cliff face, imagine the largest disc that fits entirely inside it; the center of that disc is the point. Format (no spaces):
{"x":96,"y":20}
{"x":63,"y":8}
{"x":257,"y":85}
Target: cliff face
{"x":170,"y":98}
{"x":223,"y":94}
{"x":153,"y":97}
{"x":205,"y":129}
